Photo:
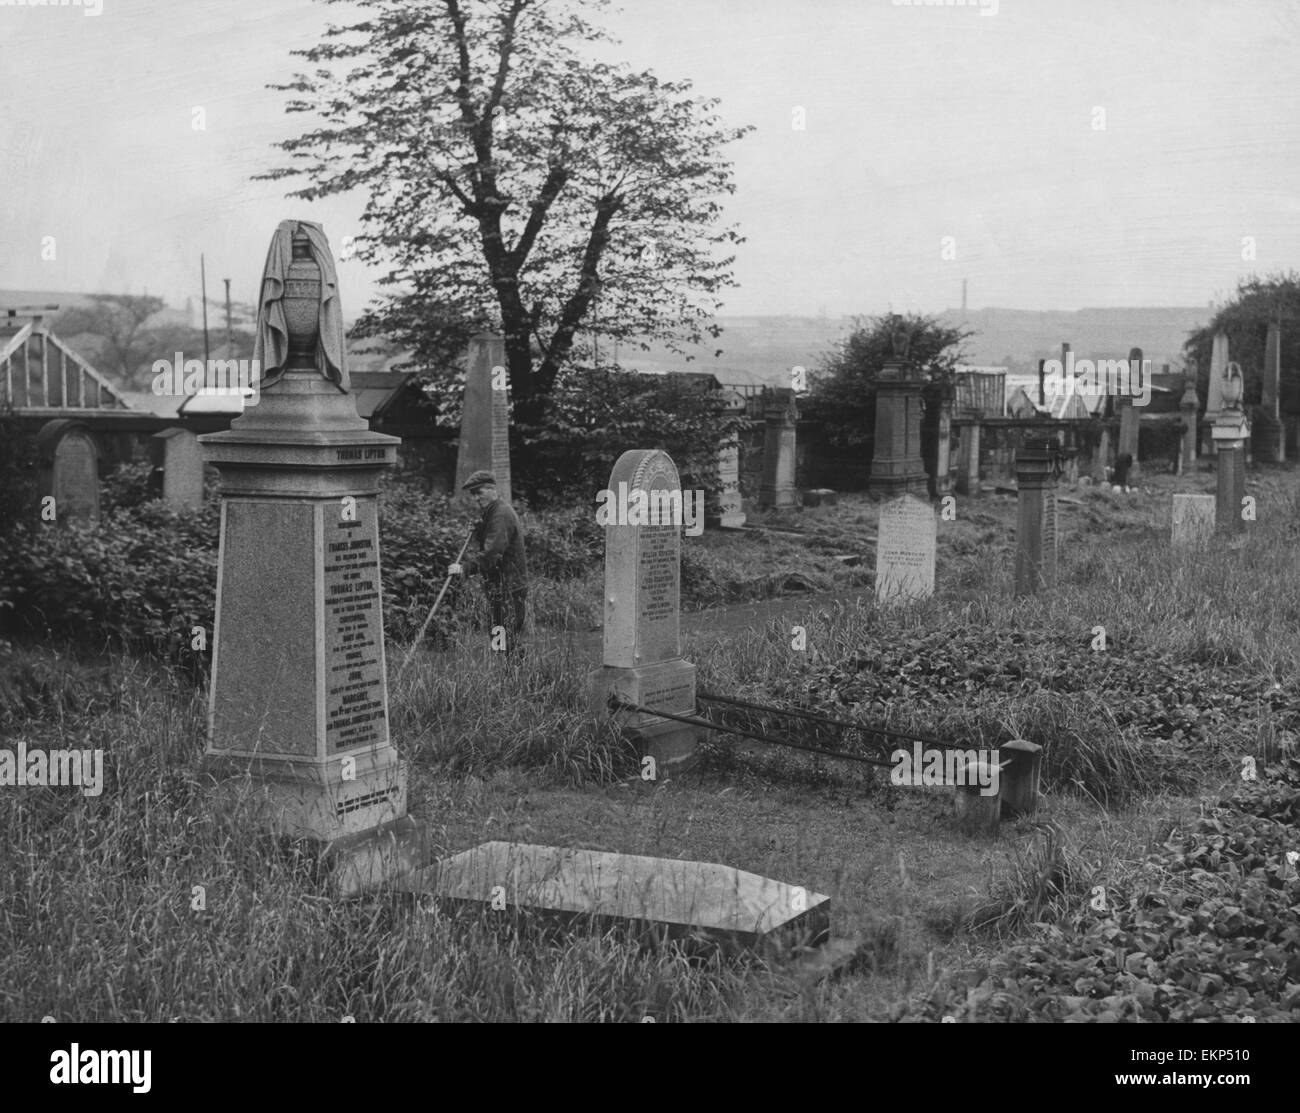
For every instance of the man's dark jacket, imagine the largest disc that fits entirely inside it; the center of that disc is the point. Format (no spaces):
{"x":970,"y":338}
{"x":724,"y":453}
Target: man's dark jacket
{"x":500,"y":541}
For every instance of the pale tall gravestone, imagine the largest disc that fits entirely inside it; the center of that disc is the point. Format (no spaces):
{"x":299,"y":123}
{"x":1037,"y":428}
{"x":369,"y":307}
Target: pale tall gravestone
{"x":1192,"y":520}
{"x":298,"y":707}
{"x":182,"y":468}
{"x":69,"y":470}
{"x":1214,"y":388}
{"x":485,"y":418}
{"x":642,"y":639}
{"x":905,"y":550}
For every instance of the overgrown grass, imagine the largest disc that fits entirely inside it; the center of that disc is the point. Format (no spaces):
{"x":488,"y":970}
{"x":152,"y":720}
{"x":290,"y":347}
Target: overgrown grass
{"x":99,"y":911}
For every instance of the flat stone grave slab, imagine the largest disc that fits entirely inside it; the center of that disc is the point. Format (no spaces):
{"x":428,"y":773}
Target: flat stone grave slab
{"x":725,"y":906}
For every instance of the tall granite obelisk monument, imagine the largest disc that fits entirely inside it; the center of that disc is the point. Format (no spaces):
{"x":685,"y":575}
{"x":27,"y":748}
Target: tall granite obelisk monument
{"x":298,"y":710}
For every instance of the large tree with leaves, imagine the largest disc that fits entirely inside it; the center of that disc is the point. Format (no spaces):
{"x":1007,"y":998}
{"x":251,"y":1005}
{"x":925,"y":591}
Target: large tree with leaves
{"x":843,"y":390}
{"x":512,"y":180}
{"x":1245,"y":319}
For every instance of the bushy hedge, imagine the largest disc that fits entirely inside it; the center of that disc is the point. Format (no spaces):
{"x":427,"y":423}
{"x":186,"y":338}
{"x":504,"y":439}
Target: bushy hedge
{"x":147,"y":574}
{"x":593,"y":417}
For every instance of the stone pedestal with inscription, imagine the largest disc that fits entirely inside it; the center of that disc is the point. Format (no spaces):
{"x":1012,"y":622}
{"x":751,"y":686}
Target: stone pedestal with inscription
{"x":299,"y":701}
{"x":642,"y":639}
{"x":896,"y":465}
{"x":485,"y":417}
{"x":1037,"y":466}
{"x":298,"y":704}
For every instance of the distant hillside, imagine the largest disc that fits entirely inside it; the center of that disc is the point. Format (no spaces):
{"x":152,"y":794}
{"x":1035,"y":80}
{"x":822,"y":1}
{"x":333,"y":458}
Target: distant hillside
{"x":1026,"y":337}
{"x":763,"y":349}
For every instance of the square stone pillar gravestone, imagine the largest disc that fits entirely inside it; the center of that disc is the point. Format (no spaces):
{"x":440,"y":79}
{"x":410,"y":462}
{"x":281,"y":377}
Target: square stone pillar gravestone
{"x":1130,"y":418}
{"x":485,"y":419}
{"x":1267,"y":433}
{"x":1128,"y":437}
{"x":943,"y":446}
{"x":643,"y":652}
{"x":729,"y":513}
{"x":1230,"y":431}
{"x":896,"y":464}
{"x":905,"y":546}
{"x":298,"y":708}
{"x":781,"y":414}
{"x":968,"y":458}
{"x":1188,"y":406}
{"x":69,"y":470}
{"x":1037,"y":466}
{"x":182,"y":468}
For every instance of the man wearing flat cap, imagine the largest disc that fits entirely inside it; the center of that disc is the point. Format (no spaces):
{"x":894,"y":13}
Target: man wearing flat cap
{"x":501,"y":560}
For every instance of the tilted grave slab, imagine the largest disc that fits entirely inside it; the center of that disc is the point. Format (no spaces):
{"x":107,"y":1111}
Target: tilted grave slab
{"x":678,"y":899}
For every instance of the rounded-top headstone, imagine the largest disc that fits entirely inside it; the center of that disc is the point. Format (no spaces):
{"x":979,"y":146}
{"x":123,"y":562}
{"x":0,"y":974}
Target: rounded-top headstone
{"x":643,"y":560}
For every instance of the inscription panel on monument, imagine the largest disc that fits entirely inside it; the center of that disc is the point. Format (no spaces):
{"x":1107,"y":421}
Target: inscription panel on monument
{"x":1050,"y":535}
{"x":355,"y":696}
{"x":905,"y":548}
{"x":500,"y":433}
{"x":672,"y":692}
{"x":658,"y":591}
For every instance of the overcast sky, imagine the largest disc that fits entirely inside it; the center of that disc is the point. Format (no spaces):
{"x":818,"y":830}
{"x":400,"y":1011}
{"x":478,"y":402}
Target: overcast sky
{"x":922,"y":123}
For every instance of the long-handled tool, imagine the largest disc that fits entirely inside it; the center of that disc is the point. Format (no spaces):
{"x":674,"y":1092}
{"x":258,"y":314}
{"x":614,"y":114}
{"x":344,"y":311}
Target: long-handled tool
{"x":432,"y":610}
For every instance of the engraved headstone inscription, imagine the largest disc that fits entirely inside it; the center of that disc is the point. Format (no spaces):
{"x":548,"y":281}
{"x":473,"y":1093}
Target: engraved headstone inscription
{"x":905,"y":550}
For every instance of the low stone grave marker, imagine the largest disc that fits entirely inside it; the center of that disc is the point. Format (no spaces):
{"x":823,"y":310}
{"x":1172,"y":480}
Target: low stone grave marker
{"x":729,"y":908}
